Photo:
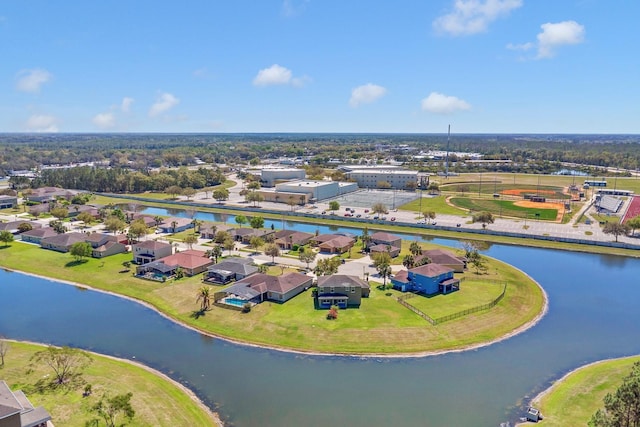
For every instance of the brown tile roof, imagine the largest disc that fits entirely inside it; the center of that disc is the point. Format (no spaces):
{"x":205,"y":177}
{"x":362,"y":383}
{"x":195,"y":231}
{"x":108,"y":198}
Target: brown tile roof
{"x":338,"y":242}
{"x":384,"y":237}
{"x":188,"y":259}
{"x":431,"y":270}
{"x":281,"y":284}
{"x":401,"y":276}
{"x":439,"y":256}
{"x":40,"y":232}
{"x":151,"y":244}
{"x":66,"y":239}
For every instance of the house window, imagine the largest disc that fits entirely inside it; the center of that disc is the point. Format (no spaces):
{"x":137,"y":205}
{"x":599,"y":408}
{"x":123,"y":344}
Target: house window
{"x":353,"y":289}
{"x":321,"y":290}
{"x":333,"y":289}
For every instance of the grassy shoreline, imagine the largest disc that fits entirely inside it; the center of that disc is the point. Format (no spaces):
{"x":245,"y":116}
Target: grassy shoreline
{"x":157,"y":399}
{"x":575,"y":397}
{"x":380,"y":327}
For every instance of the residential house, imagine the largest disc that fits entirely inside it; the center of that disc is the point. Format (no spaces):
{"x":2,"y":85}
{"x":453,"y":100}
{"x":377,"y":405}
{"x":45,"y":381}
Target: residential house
{"x":334,"y":243}
{"x":150,"y":250}
{"x":37,"y":234}
{"x":244,"y":235}
{"x":7,"y":202}
{"x":209,"y":231}
{"x":175,"y":224}
{"x":191,"y":262}
{"x":443,"y":257}
{"x":428,"y":279}
{"x":13,"y":226}
{"x":17,"y":411}
{"x":290,"y":238}
{"x":393,"y":251}
{"x":104,"y":245}
{"x":62,"y":242}
{"x":260,"y":287}
{"x":229,"y":270}
{"x":47,"y":194}
{"x":386,"y":239}
{"x":149,"y":220}
{"x":341,"y":290}
{"x":75,"y":210}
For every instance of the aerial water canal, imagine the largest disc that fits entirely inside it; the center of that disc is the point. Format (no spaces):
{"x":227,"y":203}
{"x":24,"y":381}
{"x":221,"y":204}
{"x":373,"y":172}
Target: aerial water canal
{"x":593,"y":315}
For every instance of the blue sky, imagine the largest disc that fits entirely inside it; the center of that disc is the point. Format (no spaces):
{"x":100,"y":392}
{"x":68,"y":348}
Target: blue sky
{"x":483,"y":66}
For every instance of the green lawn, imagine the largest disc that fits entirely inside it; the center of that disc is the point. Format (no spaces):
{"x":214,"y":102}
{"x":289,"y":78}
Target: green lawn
{"x":504,"y":208}
{"x":156,"y":400}
{"x":576,"y":398}
{"x":437,"y":204}
{"x":381,"y":325}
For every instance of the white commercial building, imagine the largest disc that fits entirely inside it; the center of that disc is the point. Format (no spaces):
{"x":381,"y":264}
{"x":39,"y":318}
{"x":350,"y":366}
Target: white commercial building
{"x":317,"y":190}
{"x":373,"y":177}
{"x":269,"y":177}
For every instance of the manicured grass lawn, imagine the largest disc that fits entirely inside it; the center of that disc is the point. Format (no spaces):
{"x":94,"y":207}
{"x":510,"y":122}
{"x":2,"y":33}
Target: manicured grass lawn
{"x":156,"y":400}
{"x":490,"y":187}
{"x":380,"y":325}
{"x":575,"y":399}
{"x":473,"y":293}
{"x":504,"y":208}
{"x":437,"y":204}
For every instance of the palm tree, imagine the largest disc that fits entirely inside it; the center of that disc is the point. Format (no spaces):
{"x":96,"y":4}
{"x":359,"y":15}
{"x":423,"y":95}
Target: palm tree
{"x":204,"y":297}
{"x":408,"y":261}
{"x":365,"y":238}
{"x":174,"y":224}
{"x":415,"y":248}
{"x":158,"y":220}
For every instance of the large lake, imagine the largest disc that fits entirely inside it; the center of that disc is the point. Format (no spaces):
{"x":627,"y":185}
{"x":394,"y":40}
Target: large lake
{"x":593,"y":314}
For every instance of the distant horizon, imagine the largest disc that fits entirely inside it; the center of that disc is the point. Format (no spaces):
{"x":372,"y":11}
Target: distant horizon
{"x":530,"y":67}
{"x":314,"y":133}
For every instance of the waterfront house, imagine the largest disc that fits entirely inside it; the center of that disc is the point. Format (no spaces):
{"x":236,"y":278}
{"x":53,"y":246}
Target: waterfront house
{"x":208,"y":231}
{"x":341,"y":290}
{"x":17,"y":411}
{"x":104,"y":245}
{"x":191,"y":262}
{"x":393,"y":251}
{"x":260,"y":287}
{"x":62,"y":242}
{"x":443,"y":257}
{"x":428,"y":279}
{"x":334,"y":243}
{"x":286,"y":239}
{"x":386,"y":239}
{"x":175,"y":224}
{"x":37,"y":234}
{"x":150,"y":250}
{"x":244,"y":235}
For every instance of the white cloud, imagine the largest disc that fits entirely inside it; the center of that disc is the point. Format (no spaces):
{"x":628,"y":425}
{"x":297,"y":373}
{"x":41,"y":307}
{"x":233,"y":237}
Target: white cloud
{"x":163,"y":103}
{"x":292,"y":7}
{"x":523,"y":46}
{"x":559,"y":34}
{"x":125,"y":106}
{"x":473,"y":16}
{"x":31,"y":80}
{"x":42,"y":123}
{"x":439,"y":103}
{"x":274,"y":75}
{"x":553,"y":36}
{"x":104,"y":120}
{"x":366,"y":94}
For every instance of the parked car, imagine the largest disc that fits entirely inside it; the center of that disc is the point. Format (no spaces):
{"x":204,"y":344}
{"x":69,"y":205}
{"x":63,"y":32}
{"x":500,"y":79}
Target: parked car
{"x":393,"y":218}
{"x":324,"y":212}
{"x":366,"y":211}
{"x":347,"y":214}
{"x":358,"y":215}
{"x":376,"y":217}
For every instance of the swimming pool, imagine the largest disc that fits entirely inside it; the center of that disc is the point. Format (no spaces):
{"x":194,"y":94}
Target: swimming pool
{"x":235,"y":301}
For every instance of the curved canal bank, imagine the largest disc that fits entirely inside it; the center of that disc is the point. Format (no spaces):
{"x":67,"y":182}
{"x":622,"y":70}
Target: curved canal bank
{"x":587,"y":294}
{"x":153,"y":391}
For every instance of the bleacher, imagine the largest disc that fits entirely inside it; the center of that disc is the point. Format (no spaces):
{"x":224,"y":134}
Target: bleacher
{"x":609,"y":203}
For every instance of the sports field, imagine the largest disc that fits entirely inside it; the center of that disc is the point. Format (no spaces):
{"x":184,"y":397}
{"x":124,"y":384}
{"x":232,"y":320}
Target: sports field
{"x":509,"y":208}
